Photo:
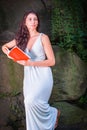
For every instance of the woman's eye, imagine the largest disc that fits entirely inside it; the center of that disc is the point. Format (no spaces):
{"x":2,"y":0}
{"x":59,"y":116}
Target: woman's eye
{"x":30,"y":19}
{"x":35,"y":19}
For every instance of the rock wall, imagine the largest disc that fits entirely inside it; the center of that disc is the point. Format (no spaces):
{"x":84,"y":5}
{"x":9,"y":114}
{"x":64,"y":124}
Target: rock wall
{"x":12,"y":11}
{"x":69,"y":72}
{"x":69,"y":76}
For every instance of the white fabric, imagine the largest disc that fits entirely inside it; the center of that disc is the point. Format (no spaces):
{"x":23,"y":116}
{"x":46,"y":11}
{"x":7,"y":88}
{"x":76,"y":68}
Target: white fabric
{"x":38,"y":84}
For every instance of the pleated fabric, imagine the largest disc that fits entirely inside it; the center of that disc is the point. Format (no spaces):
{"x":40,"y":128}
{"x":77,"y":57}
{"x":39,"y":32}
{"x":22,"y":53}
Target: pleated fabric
{"x":37,"y":88}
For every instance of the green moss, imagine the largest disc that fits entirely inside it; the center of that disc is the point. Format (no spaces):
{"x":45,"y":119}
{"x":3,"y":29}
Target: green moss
{"x":12,"y":94}
{"x":3,"y":95}
{"x":68,"y":29}
{"x":14,"y":78}
{"x":11,"y":69}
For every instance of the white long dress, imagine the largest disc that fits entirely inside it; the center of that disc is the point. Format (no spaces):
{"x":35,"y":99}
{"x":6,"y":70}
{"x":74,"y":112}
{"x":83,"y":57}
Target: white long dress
{"x":37,"y":88}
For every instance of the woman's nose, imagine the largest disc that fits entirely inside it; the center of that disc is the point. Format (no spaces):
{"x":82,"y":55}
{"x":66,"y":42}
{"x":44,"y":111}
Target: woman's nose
{"x":33,"y":21}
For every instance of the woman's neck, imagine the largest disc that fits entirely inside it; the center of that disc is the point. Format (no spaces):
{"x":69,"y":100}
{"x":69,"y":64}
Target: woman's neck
{"x":33,"y":33}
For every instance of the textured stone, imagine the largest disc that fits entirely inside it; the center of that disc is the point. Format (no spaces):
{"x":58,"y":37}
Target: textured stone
{"x":71,"y":114}
{"x":6,"y":128}
{"x":4,"y":111}
{"x":69,"y":76}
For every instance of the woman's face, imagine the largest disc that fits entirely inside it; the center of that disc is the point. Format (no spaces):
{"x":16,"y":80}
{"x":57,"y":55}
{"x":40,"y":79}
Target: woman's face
{"x":31,"y":21}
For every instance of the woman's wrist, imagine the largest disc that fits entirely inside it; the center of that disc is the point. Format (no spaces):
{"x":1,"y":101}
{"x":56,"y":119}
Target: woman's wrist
{"x":29,"y":63}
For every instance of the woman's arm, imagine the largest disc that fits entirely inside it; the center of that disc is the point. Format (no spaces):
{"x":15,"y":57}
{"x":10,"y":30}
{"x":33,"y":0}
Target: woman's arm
{"x":7,"y":46}
{"x":50,"y":60}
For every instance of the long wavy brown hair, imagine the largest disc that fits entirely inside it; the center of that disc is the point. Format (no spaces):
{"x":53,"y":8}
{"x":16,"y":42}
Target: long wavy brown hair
{"x":23,"y":35}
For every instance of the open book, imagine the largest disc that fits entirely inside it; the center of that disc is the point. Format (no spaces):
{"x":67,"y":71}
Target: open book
{"x":17,"y":54}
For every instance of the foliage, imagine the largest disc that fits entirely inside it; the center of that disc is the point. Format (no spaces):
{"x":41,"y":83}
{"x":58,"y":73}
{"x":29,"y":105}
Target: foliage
{"x":11,"y":94}
{"x":83,"y":99}
{"x":69,"y":29}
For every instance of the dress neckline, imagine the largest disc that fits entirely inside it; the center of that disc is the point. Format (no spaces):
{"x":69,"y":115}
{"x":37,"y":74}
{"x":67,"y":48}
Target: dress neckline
{"x":34,"y":43}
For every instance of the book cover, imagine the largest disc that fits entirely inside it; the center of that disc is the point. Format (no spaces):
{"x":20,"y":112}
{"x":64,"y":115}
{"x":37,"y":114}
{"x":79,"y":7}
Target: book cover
{"x":17,"y":54}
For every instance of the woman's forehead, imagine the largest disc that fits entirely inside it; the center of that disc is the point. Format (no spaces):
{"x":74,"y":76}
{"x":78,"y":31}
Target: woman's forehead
{"x":32,"y":15}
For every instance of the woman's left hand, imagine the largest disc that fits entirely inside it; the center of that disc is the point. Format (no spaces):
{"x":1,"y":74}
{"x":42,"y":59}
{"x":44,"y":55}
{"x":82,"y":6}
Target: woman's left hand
{"x":24,"y":62}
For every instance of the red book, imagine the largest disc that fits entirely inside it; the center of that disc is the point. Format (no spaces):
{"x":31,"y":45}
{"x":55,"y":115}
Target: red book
{"x":17,"y":54}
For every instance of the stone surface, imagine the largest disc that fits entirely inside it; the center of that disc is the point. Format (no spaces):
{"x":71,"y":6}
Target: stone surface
{"x":4,"y":111}
{"x":6,"y":128}
{"x":69,"y":76}
{"x":69,"y":71}
{"x":72,"y":117}
{"x":11,"y":75}
{"x":6,"y":36}
{"x":71,"y":114}
{"x":11,"y":14}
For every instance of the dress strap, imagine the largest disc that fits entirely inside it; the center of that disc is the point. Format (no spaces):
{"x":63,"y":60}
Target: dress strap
{"x":41,"y":36}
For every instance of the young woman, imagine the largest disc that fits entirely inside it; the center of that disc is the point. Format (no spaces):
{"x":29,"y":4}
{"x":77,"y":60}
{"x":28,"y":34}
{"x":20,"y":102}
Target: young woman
{"x":38,"y":79}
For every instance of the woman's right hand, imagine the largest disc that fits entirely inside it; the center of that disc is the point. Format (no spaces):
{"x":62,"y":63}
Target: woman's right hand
{"x":6,"y":50}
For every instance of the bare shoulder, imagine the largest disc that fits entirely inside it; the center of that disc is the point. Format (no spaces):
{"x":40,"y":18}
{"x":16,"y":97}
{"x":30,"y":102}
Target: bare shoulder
{"x":45,"y":39}
{"x":44,"y":36}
